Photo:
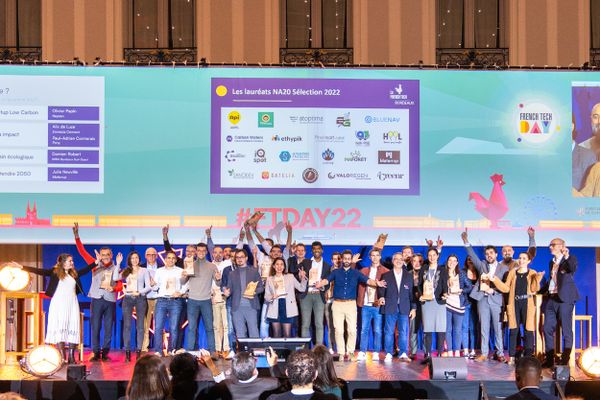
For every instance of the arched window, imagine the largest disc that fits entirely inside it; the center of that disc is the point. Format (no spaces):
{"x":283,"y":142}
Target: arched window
{"x":160,"y":30}
{"x":316,"y":30}
{"x":471,"y":32}
{"x":21,"y":30}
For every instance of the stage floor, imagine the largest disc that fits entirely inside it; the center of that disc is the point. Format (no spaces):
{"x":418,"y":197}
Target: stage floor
{"x":119,"y":370}
{"x":365,"y":379}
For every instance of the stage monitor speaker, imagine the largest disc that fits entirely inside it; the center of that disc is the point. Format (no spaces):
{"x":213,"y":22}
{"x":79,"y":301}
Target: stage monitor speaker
{"x":448,"y":368}
{"x":562,"y":373}
{"x":76,"y":372}
{"x":281,"y":346}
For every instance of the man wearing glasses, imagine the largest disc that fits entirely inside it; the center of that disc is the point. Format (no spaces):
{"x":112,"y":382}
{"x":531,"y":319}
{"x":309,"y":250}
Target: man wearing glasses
{"x":561,"y":292}
{"x":243,"y":286}
{"x":151,"y":265}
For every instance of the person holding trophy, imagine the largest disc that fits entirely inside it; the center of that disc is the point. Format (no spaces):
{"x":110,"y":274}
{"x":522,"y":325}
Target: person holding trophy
{"x":280,"y":297}
{"x":137,"y":285}
{"x":433,"y":284}
{"x":459,"y":286}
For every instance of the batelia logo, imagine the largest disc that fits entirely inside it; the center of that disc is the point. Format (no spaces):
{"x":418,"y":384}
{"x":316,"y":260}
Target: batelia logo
{"x":285,"y":156}
{"x":310,"y":175}
{"x":388,"y":157}
{"x":328,"y":155}
{"x":537,"y":122}
{"x":265,"y":174}
{"x":234,"y":117}
{"x":265,"y":120}
{"x":344,"y":120}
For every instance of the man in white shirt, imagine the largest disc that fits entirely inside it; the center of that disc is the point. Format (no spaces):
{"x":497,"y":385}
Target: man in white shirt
{"x":152,"y":266}
{"x":169,"y":304}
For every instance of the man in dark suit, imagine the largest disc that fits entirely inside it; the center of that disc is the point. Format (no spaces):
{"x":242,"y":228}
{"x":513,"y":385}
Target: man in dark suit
{"x":562,"y":293}
{"x":243,"y":307}
{"x":528,"y":374}
{"x":398,"y":305}
{"x":313,"y":300}
{"x":298,"y":261}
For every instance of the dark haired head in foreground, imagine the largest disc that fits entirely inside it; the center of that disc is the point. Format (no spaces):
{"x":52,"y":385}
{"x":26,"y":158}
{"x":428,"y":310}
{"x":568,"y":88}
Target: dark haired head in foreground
{"x":184,"y":369}
{"x":150,"y":380}
{"x":528,"y":374}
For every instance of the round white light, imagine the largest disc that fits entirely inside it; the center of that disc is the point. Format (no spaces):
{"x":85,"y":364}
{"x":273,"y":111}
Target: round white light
{"x":589,"y":362}
{"x":42,"y":361}
{"x":13,"y":279}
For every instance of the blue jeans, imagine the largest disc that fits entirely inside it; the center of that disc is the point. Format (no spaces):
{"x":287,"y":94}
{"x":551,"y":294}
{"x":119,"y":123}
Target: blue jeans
{"x":103,"y":313}
{"x":454,"y":323}
{"x":195,"y":309}
{"x":231,"y":331}
{"x":391,"y":320}
{"x":141,"y":305}
{"x":469,"y":327}
{"x":370,"y":313}
{"x":167,"y":308}
{"x":264,"y":324}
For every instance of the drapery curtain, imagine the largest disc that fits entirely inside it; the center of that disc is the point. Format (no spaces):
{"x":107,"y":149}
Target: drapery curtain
{"x":334,"y":24}
{"x":486,"y":21}
{"x":450,"y":22}
{"x":163,"y":23}
{"x":21,"y":23}
{"x":298,"y":21}
{"x":595,"y":23}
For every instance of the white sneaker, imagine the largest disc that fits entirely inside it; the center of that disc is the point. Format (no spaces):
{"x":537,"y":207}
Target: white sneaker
{"x":404,"y":357}
{"x":361,"y":356}
{"x":230,"y":355}
{"x":456,"y":353}
{"x":331,"y":352}
{"x":388,"y":358}
{"x":375,"y":356}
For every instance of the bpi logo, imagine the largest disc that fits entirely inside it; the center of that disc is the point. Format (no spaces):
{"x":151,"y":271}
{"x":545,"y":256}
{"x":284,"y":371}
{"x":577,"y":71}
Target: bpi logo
{"x":537,"y":122}
{"x":234,"y":117}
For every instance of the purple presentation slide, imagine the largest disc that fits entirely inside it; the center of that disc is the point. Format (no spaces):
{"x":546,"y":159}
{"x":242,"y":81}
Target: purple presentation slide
{"x":314,"y":136}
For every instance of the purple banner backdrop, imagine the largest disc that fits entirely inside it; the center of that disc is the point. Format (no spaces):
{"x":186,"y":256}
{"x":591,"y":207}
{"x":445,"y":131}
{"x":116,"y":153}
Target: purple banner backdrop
{"x":67,"y":174}
{"x":73,"y":113}
{"x":314,"y":93}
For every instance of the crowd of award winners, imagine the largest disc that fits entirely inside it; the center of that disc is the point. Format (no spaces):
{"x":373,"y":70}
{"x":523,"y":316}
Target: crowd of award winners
{"x":407,"y":301}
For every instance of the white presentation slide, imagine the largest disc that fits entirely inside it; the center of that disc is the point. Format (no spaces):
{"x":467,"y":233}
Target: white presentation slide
{"x":327,"y":148}
{"x":51,"y":134}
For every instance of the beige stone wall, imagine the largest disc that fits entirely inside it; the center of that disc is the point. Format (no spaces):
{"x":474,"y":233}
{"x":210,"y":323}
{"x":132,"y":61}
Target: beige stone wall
{"x":540,"y":32}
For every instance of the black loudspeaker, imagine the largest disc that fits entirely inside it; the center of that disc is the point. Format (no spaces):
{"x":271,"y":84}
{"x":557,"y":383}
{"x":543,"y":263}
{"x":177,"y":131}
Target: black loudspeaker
{"x":562,"y":373}
{"x":448,"y":368}
{"x":76,"y":372}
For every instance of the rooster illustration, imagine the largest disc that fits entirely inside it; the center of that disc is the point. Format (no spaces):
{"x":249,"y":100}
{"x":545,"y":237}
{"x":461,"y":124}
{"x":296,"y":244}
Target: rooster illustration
{"x":496,"y":206}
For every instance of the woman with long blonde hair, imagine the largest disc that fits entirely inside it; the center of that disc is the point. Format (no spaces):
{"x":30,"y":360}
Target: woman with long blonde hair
{"x":63,"y":314}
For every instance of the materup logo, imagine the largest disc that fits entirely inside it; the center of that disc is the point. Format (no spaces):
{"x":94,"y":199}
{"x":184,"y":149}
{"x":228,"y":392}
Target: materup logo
{"x":277,"y":138}
{"x":392,"y":137}
{"x":260,"y":156}
{"x":343,"y":120}
{"x":370,"y":119}
{"x":232,"y":155}
{"x":307,"y":119}
{"x":265,"y":120}
{"x":328,"y":155}
{"x":384,"y":176}
{"x":537,"y":122}
{"x":388,"y":157}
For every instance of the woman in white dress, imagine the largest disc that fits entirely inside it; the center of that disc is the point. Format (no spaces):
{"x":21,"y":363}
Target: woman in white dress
{"x":63,"y":314}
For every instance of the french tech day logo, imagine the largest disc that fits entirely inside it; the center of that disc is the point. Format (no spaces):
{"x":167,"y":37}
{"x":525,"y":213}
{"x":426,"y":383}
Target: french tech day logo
{"x":537,"y":123}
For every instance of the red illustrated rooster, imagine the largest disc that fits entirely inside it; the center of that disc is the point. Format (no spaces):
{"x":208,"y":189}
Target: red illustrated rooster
{"x":496,"y":206}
